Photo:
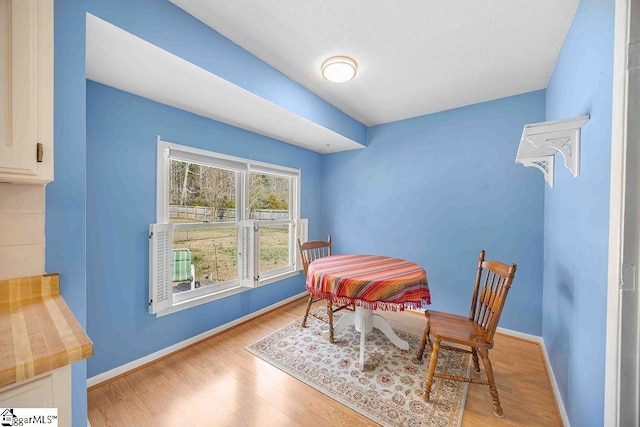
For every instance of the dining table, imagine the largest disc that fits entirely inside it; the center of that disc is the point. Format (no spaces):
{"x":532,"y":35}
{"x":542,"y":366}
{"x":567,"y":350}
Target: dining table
{"x":368,"y":283}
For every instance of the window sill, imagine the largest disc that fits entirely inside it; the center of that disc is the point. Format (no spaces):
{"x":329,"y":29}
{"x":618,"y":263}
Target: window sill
{"x":279,"y":277}
{"x":199,"y":300}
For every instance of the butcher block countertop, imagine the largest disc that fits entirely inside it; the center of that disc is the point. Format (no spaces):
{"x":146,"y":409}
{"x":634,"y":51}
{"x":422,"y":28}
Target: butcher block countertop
{"x":38,"y":332}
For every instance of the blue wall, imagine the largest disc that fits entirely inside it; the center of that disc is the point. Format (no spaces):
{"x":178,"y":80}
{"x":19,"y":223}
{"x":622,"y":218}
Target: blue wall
{"x":189,"y":38}
{"x":121,"y":203}
{"x":437,"y":189}
{"x":577,"y":217}
{"x":66,"y":195}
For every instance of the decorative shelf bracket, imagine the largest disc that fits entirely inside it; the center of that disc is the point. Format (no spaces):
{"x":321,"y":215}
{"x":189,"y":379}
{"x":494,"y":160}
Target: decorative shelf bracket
{"x":544,"y":164}
{"x":541,"y":141}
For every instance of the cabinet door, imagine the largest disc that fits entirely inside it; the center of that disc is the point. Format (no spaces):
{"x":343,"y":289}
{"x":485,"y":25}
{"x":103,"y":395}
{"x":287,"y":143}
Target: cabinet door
{"x":26,"y":90}
{"x":49,"y":390}
{"x":31,"y":394}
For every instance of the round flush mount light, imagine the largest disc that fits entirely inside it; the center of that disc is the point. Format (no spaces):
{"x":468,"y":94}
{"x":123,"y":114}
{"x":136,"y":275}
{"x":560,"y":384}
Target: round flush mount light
{"x":339,"y":69}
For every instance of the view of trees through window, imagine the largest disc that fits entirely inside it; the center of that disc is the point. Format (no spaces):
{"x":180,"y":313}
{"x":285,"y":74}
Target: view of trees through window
{"x":201,"y":193}
{"x":205,"y":194}
{"x":268,"y":192}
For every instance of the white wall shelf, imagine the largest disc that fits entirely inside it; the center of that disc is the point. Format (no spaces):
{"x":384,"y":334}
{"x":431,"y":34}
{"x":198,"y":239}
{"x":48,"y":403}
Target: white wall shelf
{"x":541,"y":141}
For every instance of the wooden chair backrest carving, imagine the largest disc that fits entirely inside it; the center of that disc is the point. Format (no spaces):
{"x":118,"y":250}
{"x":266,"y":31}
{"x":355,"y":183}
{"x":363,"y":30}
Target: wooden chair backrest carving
{"x":311,"y":251}
{"x":490,"y":293}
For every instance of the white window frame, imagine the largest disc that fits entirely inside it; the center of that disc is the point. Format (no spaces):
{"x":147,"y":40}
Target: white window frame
{"x":248,"y":263}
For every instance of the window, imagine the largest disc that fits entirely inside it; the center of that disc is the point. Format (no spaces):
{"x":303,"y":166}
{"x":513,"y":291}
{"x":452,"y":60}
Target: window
{"x":224,"y":225}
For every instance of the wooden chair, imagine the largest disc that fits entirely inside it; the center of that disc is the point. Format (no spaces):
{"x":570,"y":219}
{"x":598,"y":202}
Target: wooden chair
{"x":476,"y":331}
{"x":309,"y":252}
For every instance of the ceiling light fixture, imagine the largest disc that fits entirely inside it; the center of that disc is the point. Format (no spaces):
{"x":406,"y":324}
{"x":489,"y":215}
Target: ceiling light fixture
{"x":339,"y":69}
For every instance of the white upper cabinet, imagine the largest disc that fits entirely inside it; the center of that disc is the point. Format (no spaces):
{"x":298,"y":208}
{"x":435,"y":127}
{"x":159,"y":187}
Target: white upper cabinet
{"x":26,"y":91}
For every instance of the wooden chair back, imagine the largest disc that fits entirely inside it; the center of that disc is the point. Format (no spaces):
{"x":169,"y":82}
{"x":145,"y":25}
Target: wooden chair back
{"x":490,"y":293}
{"x":311,"y":251}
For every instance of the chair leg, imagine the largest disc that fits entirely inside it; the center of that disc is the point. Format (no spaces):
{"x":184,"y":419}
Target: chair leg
{"x":425,"y":338}
{"x":306,"y":313}
{"x":476,"y":365}
{"x":432,"y":370}
{"x":497,"y":409}
{"x":330,"y":314}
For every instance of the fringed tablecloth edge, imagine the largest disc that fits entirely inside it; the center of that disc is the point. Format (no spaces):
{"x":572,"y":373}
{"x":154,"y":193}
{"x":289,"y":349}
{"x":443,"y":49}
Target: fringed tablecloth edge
{"x":373,"y":305}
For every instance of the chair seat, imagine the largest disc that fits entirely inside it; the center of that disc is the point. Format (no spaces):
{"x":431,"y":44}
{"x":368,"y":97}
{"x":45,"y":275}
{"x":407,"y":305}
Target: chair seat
{"x":456,"y":329}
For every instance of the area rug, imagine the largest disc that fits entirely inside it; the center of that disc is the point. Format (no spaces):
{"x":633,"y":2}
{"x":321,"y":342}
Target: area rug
{"x":389,"y":391}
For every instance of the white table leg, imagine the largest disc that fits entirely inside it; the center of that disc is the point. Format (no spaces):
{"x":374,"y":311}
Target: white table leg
{"x":346,"y":320}
{"x":381,"y":323}
{"x":363,"y":338}
{"x":364,"y":321}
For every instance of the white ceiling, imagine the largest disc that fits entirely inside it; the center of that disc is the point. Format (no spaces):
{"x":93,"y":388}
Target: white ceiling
{"x":414,"y":56}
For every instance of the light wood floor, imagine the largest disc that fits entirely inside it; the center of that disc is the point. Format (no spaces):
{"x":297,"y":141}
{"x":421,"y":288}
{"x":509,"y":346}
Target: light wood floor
{"x":218,"y":383}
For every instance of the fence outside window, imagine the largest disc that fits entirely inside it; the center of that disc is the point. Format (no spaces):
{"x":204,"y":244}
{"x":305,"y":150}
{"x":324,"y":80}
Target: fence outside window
{"x":206,"y":214}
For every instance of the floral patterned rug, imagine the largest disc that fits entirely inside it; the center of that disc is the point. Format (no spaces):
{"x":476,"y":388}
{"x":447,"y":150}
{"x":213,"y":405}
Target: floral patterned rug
{"x":389,"y":391}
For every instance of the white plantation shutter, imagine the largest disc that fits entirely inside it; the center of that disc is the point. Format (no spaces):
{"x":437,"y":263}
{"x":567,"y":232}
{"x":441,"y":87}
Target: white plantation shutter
{"x":160,"y":267}
{"x":302,"y":233}
{"x":248,"y":257}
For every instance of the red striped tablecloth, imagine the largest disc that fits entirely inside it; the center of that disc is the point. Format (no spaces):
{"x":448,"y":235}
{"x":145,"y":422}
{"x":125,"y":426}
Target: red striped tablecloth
{"x":369,"y":281}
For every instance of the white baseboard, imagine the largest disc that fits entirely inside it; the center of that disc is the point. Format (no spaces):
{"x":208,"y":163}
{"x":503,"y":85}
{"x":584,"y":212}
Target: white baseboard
{"x":122,"y":369}
{"x":552,"y":377}
{"x":517,"y":334}
{"x":556,"y":389}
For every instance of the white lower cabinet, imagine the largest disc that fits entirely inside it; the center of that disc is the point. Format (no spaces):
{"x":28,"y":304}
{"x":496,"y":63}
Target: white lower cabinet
{"x":49,"y":390}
